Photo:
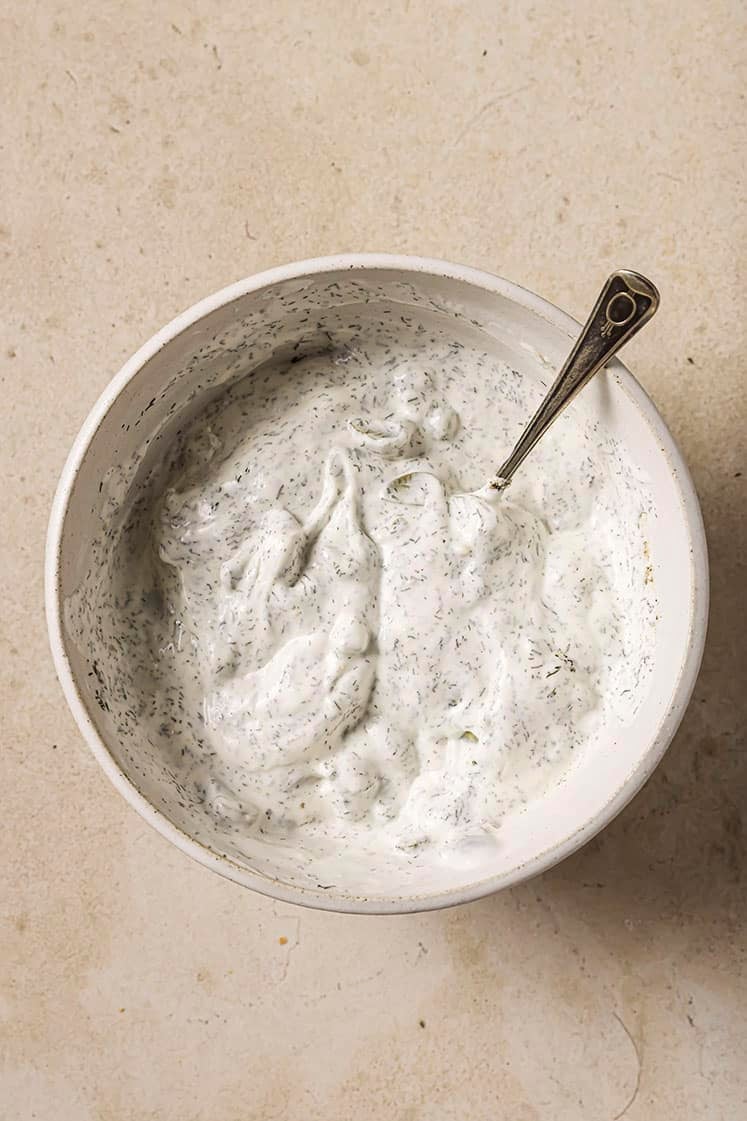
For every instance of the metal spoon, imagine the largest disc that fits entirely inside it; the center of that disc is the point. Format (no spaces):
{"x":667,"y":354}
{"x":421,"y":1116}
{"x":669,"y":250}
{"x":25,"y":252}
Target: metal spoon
{"x":626,"y":302}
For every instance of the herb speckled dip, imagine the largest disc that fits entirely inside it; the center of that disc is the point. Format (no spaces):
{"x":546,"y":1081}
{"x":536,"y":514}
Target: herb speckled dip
{"x":305,"y":310}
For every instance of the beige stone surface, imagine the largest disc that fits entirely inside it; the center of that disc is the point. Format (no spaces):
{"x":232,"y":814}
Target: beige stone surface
{"x":152,"y":153}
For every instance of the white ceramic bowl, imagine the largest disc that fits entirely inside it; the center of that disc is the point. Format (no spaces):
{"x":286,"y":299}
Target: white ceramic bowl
{"x":168,"y":378}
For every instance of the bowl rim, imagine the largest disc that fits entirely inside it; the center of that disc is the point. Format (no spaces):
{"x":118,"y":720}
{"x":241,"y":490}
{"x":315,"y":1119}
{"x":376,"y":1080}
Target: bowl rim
{"x":320,"y":899}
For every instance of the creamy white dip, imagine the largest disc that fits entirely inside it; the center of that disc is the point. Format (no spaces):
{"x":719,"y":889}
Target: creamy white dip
{"x":342,"y":648}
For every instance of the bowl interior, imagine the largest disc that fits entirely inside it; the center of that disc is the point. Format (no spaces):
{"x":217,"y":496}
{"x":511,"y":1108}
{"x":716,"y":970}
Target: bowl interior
{"x":118,"y":455}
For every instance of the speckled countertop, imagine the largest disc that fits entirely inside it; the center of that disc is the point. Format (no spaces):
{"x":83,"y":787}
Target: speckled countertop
{"x":149,"y":155}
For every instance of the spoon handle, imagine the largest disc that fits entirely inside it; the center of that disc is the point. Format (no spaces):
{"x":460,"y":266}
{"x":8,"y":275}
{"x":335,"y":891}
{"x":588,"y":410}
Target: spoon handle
{"x":626,"y":302}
